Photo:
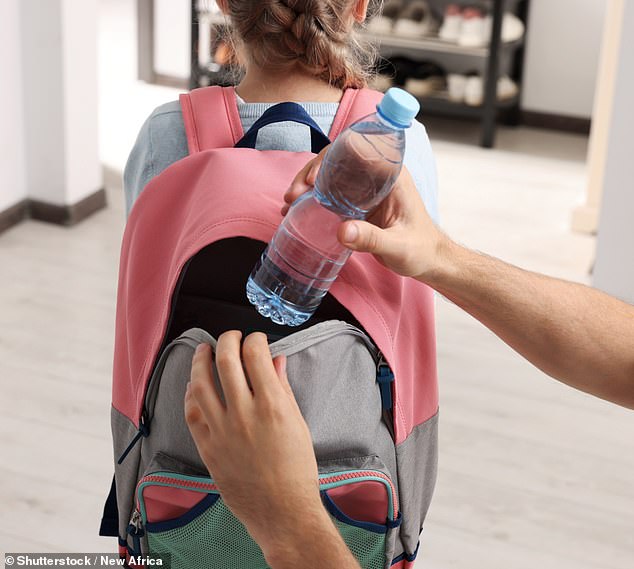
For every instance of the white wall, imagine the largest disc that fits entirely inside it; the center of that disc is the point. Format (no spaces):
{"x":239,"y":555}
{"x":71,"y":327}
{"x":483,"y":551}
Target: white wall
{"x":12,"y":171}
{"x":172,"y":23}
{"x":614,"y":270}
{"x":58,"y":51}
{"x":562,"y":56}
{"x":40,"y":50}
{"x":81,"y":121}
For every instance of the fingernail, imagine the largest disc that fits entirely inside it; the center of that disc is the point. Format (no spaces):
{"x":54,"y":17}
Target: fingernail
{"x":199,"y":348}
{"x":351,"y":233}
{"x":188,"y":388}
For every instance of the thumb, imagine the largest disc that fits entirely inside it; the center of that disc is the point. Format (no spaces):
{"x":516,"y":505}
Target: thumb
{"x":363,"y":236}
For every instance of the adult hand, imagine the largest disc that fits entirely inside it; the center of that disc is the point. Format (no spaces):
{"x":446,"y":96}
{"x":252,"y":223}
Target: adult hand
{"x":399,"y":232}
{"x":258,"y":449}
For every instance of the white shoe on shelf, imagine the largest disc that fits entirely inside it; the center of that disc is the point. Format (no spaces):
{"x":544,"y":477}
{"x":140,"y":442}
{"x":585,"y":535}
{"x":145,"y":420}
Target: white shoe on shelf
{"x":415,"y":21}
{"x":383,"y":23}
{"x":426,"y":80}
{"x":473,"y":29}
{"x":456,"y":87}
{"x":512,"y":28}
{"x":507,"y":88}
{"x":381,"y":82}
{"x":380,"y":25}
{"x":474,"y":91}
{"x":452,"y":24}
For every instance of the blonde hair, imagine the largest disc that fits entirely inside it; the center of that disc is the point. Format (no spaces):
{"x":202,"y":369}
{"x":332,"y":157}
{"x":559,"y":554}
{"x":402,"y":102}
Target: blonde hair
{"x":313,"y":34}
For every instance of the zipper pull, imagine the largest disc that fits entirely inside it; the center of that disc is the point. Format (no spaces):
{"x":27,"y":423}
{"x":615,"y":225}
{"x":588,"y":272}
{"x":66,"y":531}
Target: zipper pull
{"x":385,"y":378}
{"x":135,"y":530}
{"x":144,"y":431}
{"x":135,"y":520}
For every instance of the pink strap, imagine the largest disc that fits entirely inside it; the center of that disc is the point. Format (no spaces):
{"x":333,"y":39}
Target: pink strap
{"x":208,"y":127}
{"x":355,"y":104}
{"x":211,"y":118}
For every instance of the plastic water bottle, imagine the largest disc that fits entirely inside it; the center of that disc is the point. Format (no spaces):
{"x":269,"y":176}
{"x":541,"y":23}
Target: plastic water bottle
{"x":357,"y":174}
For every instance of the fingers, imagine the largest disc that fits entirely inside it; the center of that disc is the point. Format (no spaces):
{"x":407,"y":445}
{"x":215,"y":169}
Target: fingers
{"x":202,"y":387}
{"x":304,"y":180}
{"x":259,"y":364}
{"x":195,"y":419}
{"x":230,"y":372}
{"x":363,"y":236}
{"x":280,"y":367}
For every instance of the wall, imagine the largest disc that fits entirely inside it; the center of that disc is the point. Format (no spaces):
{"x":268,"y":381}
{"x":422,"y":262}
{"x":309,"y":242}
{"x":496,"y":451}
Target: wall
{"x":81,"y":122}
{"x":614,"y":270}
{"x":13,"y":183}
{"x":59,"y":51}
{"x":41,"y":36}
{"x":562,"y":56}
{"x":172,"y":23}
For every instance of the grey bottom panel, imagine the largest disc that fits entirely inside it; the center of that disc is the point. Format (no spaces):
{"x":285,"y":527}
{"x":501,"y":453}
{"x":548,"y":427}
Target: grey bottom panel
{"x":417,"y":459}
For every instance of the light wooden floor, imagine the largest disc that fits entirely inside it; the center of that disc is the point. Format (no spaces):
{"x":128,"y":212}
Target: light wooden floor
{"x":532,"y":474}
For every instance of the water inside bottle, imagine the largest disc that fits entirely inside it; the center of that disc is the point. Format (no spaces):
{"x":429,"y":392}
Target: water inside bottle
{"x":299,"y":265}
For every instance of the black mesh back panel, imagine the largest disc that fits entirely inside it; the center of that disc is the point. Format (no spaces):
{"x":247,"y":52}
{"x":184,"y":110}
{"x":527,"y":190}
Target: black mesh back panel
{"x":212,"y":294}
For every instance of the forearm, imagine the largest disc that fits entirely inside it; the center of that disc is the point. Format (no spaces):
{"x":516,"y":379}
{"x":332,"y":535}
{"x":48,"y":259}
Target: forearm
{"x":313,"y":543}
{"x":576,"y":334}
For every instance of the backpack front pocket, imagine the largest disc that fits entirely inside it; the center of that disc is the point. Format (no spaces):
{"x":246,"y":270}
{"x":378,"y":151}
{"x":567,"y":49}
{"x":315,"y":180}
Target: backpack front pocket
{"x":187,"y":524}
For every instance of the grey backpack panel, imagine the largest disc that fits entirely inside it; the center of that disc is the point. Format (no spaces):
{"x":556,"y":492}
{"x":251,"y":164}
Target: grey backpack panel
{"x":332,"y":369}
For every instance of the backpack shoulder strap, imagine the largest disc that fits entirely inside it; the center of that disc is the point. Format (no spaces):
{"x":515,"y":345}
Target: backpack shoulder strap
{"x":211,"y":118}
{"x":355,"y":104}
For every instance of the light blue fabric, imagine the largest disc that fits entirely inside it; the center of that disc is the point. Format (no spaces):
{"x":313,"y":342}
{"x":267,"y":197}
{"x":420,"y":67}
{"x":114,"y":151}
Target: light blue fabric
{"x":162,"y":141}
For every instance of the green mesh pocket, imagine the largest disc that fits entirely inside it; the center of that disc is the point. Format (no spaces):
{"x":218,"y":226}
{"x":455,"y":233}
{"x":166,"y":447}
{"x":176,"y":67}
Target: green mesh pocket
{"x":217,"y":539}
{"x":368,"y":547}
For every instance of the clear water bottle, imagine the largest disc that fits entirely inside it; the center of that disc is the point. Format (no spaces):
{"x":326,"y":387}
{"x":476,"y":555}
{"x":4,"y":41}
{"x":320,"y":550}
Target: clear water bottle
{"x":304,"y":257}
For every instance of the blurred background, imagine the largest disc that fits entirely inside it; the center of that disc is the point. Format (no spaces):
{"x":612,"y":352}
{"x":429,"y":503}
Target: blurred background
{"x":528,"y":107}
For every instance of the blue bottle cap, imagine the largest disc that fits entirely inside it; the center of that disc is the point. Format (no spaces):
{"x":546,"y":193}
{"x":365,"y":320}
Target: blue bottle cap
{"x":398,"y":107}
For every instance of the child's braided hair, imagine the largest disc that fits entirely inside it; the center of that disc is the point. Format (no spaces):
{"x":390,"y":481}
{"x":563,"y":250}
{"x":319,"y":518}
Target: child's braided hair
{"x":314,"y":34}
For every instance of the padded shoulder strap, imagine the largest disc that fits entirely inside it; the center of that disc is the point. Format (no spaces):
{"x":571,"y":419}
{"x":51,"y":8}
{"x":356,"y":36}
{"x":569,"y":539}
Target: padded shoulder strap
{"x":211,"y":118}
{"x":355,"y":104}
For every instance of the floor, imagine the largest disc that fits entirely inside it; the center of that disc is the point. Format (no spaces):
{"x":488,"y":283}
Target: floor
{"x":532,"y":474}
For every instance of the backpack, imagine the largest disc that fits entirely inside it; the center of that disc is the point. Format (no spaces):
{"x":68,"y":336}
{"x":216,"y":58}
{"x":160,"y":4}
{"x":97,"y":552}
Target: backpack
{"x":363,"y":369}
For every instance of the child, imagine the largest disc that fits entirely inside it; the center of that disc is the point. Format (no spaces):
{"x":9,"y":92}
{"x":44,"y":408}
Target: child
{"x":305,"y":51}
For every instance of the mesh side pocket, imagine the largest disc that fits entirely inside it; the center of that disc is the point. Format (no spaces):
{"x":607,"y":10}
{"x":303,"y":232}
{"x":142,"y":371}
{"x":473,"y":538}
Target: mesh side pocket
{"x":368,"y":547}
{"x":216,"y":538}
{"x":213,"y":539}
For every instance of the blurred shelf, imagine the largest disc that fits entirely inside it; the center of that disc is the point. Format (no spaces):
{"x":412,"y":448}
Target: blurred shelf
{"x":487,"y":59}
{"x":435,"y":44}
{"x":441,"y":104}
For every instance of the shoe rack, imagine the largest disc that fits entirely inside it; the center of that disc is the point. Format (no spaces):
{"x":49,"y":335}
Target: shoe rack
{"x":208,"y":28}
{"x":490,"y":61}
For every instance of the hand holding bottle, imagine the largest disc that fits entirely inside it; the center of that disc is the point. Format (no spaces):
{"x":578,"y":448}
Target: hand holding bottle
{"x":304,"y":257}
{"x":399,"y":232}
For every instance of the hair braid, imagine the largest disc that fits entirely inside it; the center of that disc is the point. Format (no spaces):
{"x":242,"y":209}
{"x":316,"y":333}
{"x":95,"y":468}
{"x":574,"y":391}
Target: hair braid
{"x":312,"y":34}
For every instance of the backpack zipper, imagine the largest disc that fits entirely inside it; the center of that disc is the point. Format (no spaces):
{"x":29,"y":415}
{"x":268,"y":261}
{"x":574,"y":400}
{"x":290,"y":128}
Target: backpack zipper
{"x":150,"y":393}
{"x":325,"y":482}
{"x":384,"y":377}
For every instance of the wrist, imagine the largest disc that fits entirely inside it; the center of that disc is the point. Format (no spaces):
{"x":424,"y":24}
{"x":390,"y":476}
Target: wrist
{"x":444,"y":263}
{"x":295,"y":539}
